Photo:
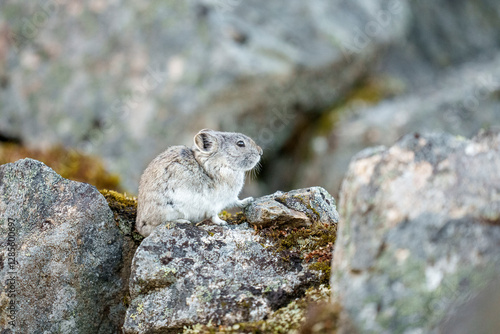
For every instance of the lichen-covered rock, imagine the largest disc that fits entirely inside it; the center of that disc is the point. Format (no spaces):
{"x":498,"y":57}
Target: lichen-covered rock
{"x":477,"y":315}
{"x":296,"y":208}
{"x":61,"y":266}
{"x":296,"y":317}
{"x":460,"y":102}
{"x":183,"y":275}
{"x":420,"y":231}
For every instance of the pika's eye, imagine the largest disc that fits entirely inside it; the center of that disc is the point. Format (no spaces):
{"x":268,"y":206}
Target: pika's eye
{"x":241,"y":143}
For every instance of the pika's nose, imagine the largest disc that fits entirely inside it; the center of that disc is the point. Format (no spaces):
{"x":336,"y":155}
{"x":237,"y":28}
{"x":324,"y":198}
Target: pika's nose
{"x":260,"y":150}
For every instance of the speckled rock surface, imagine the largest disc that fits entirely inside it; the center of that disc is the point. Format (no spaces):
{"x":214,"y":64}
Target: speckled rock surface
{"x":420,"y":233}
{"x":461,"y":103}
{"x":60,"y":254}
{"x":297,"y":208}
{"x":183,"y":275}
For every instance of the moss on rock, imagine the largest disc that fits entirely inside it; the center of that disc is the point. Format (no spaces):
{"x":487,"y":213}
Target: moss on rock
{"x":312,"y":245}
{"x":124,"y":209}
{"x":294,"y":318}
{"x":233,"y":219}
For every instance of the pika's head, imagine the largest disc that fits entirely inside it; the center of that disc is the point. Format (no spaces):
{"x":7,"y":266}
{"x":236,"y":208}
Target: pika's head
{"x":228,"y":149}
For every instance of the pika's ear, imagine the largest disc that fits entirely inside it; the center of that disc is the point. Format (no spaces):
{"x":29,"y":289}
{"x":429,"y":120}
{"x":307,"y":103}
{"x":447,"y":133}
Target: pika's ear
{"x":205,"y":141}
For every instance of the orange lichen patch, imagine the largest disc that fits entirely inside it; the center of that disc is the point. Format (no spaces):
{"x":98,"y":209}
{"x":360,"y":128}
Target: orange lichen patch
{"x":68,"y":163}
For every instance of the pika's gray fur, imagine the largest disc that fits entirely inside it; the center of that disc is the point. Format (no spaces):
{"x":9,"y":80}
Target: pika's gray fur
{"x":193,"y":184}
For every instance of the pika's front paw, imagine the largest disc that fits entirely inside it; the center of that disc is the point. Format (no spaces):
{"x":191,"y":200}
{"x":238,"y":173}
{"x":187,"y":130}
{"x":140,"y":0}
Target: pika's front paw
{"x":245,"y":202}
{"x":216,"y":220}
{"x":183,"y":221}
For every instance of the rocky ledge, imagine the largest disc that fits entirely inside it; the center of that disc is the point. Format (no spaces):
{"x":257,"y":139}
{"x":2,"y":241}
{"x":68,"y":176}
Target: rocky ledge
{"x":66,"y":259}
{"x":183,"y":274}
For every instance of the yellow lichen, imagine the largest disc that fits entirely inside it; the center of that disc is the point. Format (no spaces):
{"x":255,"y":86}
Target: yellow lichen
{"x":234,"y":219}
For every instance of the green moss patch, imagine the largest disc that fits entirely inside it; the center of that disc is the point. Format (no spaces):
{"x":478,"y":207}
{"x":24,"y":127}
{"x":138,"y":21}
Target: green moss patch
{"x":125,"y":211}
{"x":312,"y":245}
{"x":311,"y":314}
{"x":233,"y":219}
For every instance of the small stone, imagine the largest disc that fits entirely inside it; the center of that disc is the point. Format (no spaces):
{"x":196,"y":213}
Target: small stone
{"x":296,"y":208}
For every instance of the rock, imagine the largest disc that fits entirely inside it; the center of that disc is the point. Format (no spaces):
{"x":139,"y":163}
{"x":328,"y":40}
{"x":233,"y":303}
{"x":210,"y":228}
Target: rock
{"x":442,"y":35}
{"x":66,"y":273}
{"x":447,"y":33}
{"x":460,"y":102}
{"x":152,"y":74}
{"x":419,"y":233}
{"x":288,"y":319}
{"x":184,"y":275}
{"x":124,"y":210}
{"x":477,"y":315}
{"x":296,"y":208}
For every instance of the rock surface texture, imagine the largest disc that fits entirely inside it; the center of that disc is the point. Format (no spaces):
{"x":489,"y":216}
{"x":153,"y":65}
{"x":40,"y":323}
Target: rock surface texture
{"x":420,"y":232}
{"x":296,"y":208}
{"x":61,"y":266}
{"x":460,"y":102}
{"x":183,"y":274}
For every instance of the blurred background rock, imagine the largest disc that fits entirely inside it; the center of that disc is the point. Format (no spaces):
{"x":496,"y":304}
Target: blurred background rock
{"x":313,"y":82}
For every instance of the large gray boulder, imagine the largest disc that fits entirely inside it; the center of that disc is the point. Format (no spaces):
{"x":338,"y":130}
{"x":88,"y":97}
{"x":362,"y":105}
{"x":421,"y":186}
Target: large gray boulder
{"x":448,"y":33}
{"x":443,"y":75}
{"x":461,"y":103}
{"x":125,"y":79}
{"x":183,"y":274}
{"x":61,"y":265}
{"x":443,"y":34}
{"x":419,"y":233}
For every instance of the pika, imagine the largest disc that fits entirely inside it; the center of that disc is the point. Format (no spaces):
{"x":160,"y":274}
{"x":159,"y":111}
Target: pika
{"x":193,"y":184}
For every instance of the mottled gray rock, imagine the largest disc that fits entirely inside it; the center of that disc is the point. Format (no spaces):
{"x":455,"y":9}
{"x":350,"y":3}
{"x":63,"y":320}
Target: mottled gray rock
{"x":460,"y":102}
{"x":296,"y":208}
{"x":126,"y":79}
{"x":448,"y":33}
{"x":61,"y":266}
{"x":183,"y":275}
{"x":419,"y":233}
{"x":443,"y":34}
